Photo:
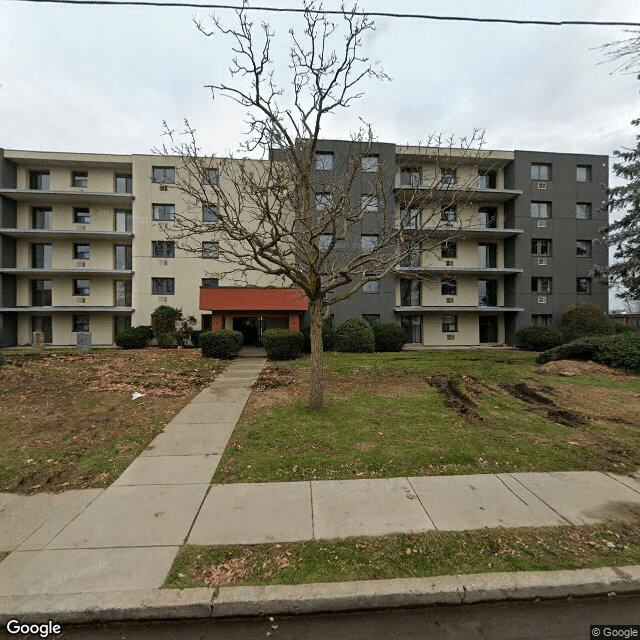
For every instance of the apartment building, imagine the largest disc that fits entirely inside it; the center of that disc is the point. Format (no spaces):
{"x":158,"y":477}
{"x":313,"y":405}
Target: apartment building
{"x":85,"y":246}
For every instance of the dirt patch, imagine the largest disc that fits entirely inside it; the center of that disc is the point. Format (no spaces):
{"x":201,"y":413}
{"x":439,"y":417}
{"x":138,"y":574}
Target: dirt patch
{"x":570,"y":368}
{"x":524,"y":392}
{"x":274,"y":378}
{"x":454,"y":397}
{"x":567,"y":418}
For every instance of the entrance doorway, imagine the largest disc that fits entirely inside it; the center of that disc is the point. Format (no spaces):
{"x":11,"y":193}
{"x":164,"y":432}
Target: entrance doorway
{"x":43,"y":324}
{"x":488,"y":328}
{"x":251,"y":329}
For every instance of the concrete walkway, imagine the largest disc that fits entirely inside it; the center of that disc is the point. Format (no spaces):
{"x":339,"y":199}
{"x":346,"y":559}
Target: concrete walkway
{"x":125,"y":538}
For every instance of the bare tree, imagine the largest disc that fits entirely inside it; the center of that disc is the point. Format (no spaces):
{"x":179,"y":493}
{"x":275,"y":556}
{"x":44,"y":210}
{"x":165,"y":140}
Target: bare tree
{"x":624,"y":53}
{"x":291,"y":218}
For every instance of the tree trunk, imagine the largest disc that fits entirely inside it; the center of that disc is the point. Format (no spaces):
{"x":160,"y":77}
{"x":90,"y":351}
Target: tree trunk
{"x":316,"y":382}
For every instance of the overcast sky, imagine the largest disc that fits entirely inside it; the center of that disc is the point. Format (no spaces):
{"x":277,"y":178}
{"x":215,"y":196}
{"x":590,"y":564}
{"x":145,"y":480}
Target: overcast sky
{"x":102,"y":79}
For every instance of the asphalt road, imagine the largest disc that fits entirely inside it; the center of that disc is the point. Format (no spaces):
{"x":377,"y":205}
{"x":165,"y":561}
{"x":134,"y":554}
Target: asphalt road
{"x":558,"y":619}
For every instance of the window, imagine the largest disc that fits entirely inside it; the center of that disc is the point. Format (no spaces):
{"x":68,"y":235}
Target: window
{"x":211,"y":177}
{"x":210,"y":283}
{"x":488,"y":255}
{"x":583,"y":211}
{"x":164,"y":211}
{"x":448,"y":176}
{"x":163,"y":249}
{"x":487,"y":293}
{"x":371,"y":287}
{"x":371,"y":318}
{"x":124,"y":221}
{"x":540,"y":209}
{"x":540,"y":247}
{"x":370,"y":164}
{"x":449,"y":287}
{"x":410,"y":177}
{"x":82,"y":216}
{"x":583,"y":173}
{"x":210,"y":213}
{"x":82,"y":287}
{"x":79,"y":179}
{"x":43,"y":324}
{"x":583,"y":248}
{"x":205,"y":321}
{"x":410,"y":218}
{"x":122,"y":256}
{"x":124,"y":183}
{"x":41,"y":218}
{"x":412,"y":259}
{"x":324,"y":241}
{"x":324,"y":160}
{"x":41,"y":255}
{"x":412,"y":326}
{"x":370,"y":202}
{"x":487,"y":180}
{"x":164,"y":175}
{"x":448,"y":250}
{"x":540,"y":285}
{"x":368,"y":242}
{"x":540,"y":171}
{"x":449,"y":324}
{"x":488,"y":217}
{"x":122,"y":293}
{"x":541,"y":319}
{"x":41,"y":293}
{"x":410,"y":293}
{"x":449,"y":214}
{"x":120,"y":324}
{"x":39,"y":180}
{"x":210,"y":250}
{"x":162,"y":286}
{"x":80,"y":324}
{"x":81,"y":251}
{"x":323,"y":201}
{"x":583,"y":285}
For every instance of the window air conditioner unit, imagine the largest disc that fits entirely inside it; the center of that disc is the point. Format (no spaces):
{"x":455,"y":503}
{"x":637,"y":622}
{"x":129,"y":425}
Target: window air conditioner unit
{"x":163,"y":263}
{"x":448,"y":263}
{"x":447,"y":225}
{"x":542,"y":224}
{"x":163,"y":187}
{"x":542,"y":186}
{"x":162,"y":299}
{"x":451,"y":336}
{"x":80,"y":300}
{"x":449,"y":300}
{"x":81,"y":227}
{"x":542,"y":299}
{"x":542,"y":262}
{"x":81,"y":264}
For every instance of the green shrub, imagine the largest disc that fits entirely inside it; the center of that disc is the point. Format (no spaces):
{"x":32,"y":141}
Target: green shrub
{"x":625,"y":328}
{"x":220,"y":344}
{"x":239,"y":338}
{"x":1,"y":360}
{"x":328,"y":336}
{"x":539,"y":338}
{"x":195,"y":337}
{"x":621,"y":351}
{"x":355,"y":335}
{"x":170,"y":327}
{"x":584,"y":319}
{"x":389,"y":336}
{"x":282,"y":344}
{"x":134,"y":337}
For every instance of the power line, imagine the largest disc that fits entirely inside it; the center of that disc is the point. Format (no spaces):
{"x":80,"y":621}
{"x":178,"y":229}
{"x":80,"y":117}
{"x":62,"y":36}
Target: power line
{"x":373,"y":14}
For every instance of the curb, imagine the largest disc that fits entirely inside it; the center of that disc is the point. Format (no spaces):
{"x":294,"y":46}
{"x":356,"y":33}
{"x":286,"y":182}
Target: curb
{"x":167,"y":604}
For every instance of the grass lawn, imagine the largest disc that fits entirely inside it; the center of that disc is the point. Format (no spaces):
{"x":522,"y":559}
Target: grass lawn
{"x":67,"y":419}
{"x":407,"y":556}
{"x":435,"y":412}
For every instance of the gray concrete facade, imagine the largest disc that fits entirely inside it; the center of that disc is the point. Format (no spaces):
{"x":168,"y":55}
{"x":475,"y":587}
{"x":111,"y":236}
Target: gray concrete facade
{"x":8,"y":320}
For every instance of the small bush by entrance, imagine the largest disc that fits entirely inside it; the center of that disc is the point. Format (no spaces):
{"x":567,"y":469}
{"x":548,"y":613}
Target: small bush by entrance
{"x":389,"y":336}
{"x":223,"y":344}
{"x":355,"y":335}
{"x":282,"y":344}
{"x":135,"y":337}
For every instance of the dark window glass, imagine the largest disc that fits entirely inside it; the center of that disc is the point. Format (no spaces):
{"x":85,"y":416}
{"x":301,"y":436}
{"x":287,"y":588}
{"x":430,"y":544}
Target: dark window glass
{"x":120,"y":324}
{"x":124,"y":183}
{"x":122,"y":293}
{"x":583,"y":248}
{"x":371,"y":318}
{"x":39,"y":180}
{"x":210,"y":250}
{"x":583,"y":173}
{"x":43,"y":324}
{"x":80,"y":179}
{"x":368,"y":242}
{"x":487,"y":293}
{"x":540,"y":209}
{"x":413,"y":328}
{"x":449,"y":214}
{"x":164,"y":212}
{"x":488,"y":217}
{"x":583,"y":211}
{"x":41,"y":293}
{"x":541,"y":319}
{"x":370,"y":164}
{"x":487,"y":180}
{"x":210,"y":283}
{"x":82,"y":216}
{"x":82,"y":287}
{"x":324,"y":241}
{"x":540,"y":285}
{"x":122,"y":256}
{"x":324,"y":160}
{"x":410,"y":293}
{"x":410,"y":177}
{"x":449,"y":287}
{"x":162,"y":286}
{"x":82,"y":251}
{"x":210,"y":213}
{"x":163,"y":249}
{"x":583,"y":285}
{"x":540,"y":171}
{"x":371,"y":287}
{"x":449,"y":324}
{"x":124,"y":221}
{"x":323,"y":201}
{"x":370,"y":202}
{"x":211,"y":177}
{"x":41,"y":255}
{"x":540,"y":247}
{"x":412,"y":259}
{"x":410,"y":218}
{"x":80,"y":324}
{"x":41,"y":218}
{"x":488,"y":255}
{"x":448,"y":177}
{"x":164,"y":175}
{"x":448,"y":250}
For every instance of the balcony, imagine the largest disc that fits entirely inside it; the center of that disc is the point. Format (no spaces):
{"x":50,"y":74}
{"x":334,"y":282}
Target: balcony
{"x":43,"y":197}
{"x":500,"y":271}
{"x":42,"y":234}
{"x":456,"y":230}
{"x":451,"y":308}
{"x":461,"y":193}
{"x":72,"y":309}
{"x":54,"y":271}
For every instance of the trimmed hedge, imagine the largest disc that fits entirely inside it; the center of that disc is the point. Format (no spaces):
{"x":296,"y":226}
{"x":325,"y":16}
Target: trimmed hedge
{"x":195,"y":337}
{"x":389,"y":336}
{"x":621,"y":351}
{"x":355,"y":335}
{"x":223,"y":344}
{"x":134,"y":337}
{"x":539,"y":338}
{"x":282,"y":344}
{"x":585,"y":319}
{"x":328,"y":338}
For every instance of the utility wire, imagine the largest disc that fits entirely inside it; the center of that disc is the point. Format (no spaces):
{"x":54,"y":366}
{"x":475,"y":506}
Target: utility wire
{"x":375,"y":14}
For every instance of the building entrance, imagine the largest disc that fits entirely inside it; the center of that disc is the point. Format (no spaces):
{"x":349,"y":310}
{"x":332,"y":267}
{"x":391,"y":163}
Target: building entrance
{"x":251,"y":329}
